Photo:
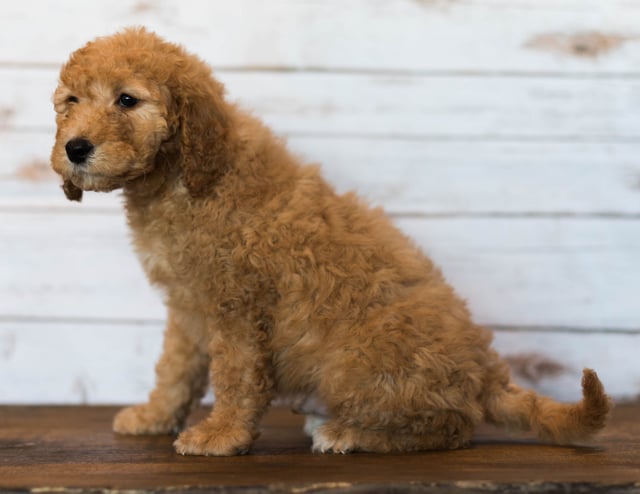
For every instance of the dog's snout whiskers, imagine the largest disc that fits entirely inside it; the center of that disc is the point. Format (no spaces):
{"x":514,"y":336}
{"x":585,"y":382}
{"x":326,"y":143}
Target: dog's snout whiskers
{"x":78,"y":150}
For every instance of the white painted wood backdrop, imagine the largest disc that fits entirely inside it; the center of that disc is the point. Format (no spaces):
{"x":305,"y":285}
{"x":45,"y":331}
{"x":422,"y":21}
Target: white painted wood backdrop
{"x":502,"y":134}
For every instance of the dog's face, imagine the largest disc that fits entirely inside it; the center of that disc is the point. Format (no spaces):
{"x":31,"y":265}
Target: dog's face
{"x":108,"y":132}
{"x":111,"y":115}
{"x":128,"y":102}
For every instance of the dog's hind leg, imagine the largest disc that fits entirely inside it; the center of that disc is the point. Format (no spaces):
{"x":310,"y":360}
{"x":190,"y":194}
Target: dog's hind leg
{"x":336,"y":437}
{"x":181,"y":380}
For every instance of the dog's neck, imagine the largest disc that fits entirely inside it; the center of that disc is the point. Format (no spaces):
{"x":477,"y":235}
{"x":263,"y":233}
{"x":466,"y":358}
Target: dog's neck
{"x":150,"y":187}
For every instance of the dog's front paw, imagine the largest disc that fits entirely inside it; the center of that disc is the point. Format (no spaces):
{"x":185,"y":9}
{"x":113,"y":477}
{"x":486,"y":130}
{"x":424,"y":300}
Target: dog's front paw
{"x":144,"y":419}
{"x":207,"y":440}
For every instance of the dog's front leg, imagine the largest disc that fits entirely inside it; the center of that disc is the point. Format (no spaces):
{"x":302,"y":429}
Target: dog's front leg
{"x":181,"y":380}
{"x":242,"y":379}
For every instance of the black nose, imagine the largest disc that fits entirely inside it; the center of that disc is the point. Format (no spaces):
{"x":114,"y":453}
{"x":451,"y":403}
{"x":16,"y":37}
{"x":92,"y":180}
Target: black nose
{"x":78,"y":150}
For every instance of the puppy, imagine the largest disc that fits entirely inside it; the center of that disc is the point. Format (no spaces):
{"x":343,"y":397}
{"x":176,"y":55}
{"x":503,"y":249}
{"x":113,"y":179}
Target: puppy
{"x":275,"y":285}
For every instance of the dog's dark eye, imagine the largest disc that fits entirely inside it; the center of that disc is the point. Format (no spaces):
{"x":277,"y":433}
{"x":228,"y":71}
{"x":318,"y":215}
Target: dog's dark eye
{"x":127,"y":101}
{"x":72,"y":99}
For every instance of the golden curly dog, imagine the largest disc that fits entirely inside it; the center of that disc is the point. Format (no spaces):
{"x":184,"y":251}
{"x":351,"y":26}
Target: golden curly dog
{"x":275,"y":285}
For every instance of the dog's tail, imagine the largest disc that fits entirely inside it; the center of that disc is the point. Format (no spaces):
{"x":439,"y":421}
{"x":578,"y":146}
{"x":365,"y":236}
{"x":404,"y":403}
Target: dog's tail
{"x":559,"y":423}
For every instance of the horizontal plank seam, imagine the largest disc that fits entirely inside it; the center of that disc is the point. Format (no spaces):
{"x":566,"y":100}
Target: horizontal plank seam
{"x":39,"y":209}
{"x":464,"y":138}
{"x":385,"y":136}
{"x":376,"y":71}
{"x":433,"y":73}
{"x":20,"y":208}
{"x":553,"y":329}
{"x":499,"y":328}
{"x":78,"y":321}
{"x":609,"y":215}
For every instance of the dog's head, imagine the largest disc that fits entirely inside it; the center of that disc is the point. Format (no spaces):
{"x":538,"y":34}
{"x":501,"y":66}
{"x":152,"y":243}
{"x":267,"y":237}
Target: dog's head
{"x":130,"y":104}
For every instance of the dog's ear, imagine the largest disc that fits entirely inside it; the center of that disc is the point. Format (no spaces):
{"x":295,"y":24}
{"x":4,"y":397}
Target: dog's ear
{"x":205,"y":136}
{"x":72,"y":192}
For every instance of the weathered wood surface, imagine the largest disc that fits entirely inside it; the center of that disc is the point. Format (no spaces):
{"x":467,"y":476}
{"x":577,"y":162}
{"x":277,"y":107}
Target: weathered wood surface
{"x":554,"y":36}
{"x":503,"y":135}
{"x":391,"y":106}
{"x":407,"y":177}
{"x":73,"y":449}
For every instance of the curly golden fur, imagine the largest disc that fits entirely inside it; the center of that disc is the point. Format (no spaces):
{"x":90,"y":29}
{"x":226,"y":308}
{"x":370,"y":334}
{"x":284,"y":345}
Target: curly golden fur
{"x":275,"y":285}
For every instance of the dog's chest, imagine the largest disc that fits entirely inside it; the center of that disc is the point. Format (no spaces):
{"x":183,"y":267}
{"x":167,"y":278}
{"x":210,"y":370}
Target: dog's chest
{"x":179,"y":246}
{"x":154,"y":257}
{"x":159,"y":237}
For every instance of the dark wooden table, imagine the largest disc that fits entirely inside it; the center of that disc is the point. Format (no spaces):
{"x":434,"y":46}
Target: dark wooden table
{"x":72,"y":449}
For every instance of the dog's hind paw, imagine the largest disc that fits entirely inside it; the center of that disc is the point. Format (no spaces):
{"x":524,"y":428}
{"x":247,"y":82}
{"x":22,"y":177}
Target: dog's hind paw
{"x":327,"y":440}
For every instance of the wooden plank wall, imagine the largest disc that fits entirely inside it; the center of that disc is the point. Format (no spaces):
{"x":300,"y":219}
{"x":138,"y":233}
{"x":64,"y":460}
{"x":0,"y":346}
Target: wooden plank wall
{"x":502,"y":134}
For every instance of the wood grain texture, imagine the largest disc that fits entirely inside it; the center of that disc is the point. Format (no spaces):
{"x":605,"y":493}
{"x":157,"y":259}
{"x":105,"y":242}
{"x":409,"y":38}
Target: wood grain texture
{"x":405,"y":176}
{"x":391,"y":106}
{"x":64,"y":448}
{"x":503,"y":135}
{"x":565,"y":37}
